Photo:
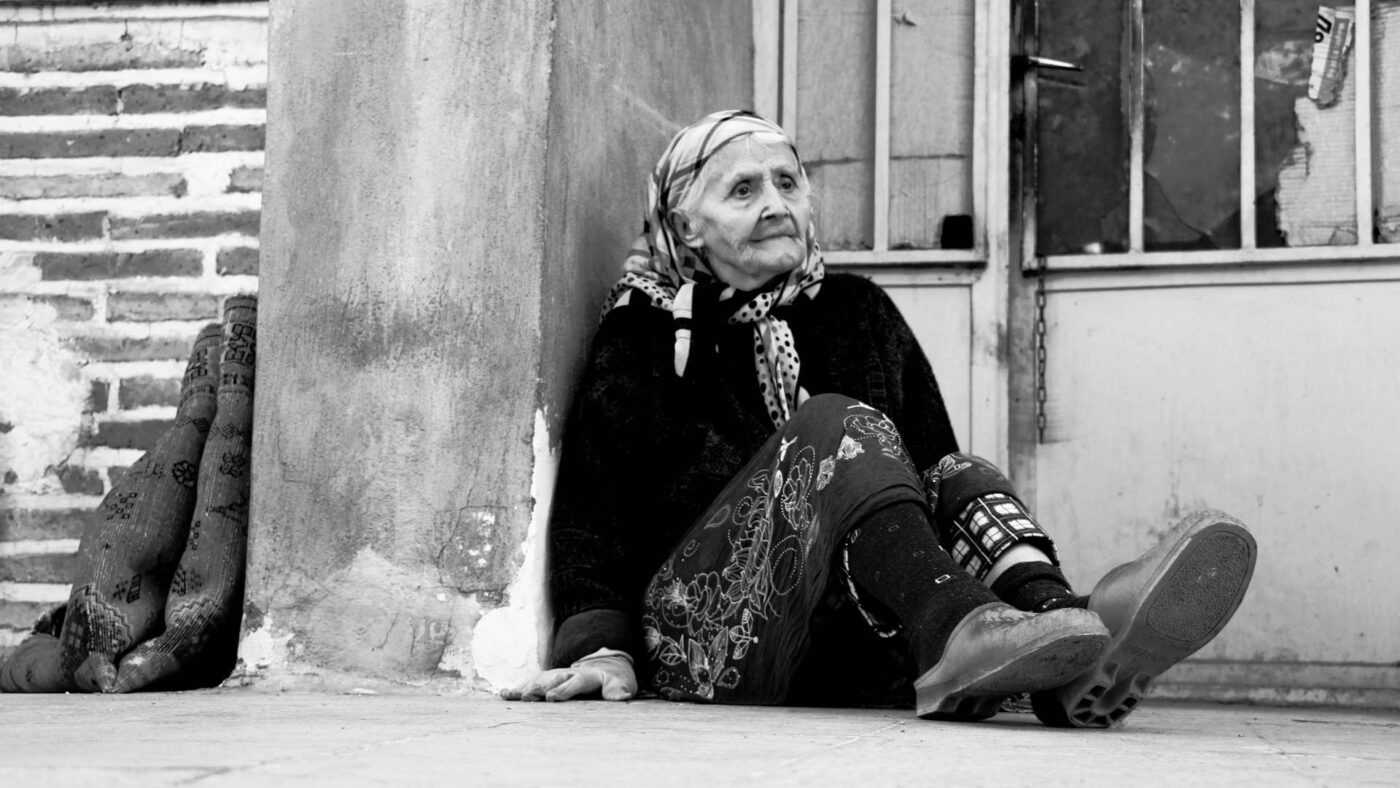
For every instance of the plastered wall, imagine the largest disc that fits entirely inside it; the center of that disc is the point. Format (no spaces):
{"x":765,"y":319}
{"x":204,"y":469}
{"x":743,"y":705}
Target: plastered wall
{"x":450,"y":189}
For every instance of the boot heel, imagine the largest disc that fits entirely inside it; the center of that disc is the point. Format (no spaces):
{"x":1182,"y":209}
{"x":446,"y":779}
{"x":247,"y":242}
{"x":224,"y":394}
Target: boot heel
{"x":965,"y":708}
{"x":1200,"y":593}
{"x":997,"y":652}
{"x":1162,"y":608}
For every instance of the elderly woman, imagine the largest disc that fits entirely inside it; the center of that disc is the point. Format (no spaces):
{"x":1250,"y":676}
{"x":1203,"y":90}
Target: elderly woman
{"x":761,"y":499}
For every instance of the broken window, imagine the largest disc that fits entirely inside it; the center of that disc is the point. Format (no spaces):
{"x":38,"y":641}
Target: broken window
{"x":1082,"y":199}
{"x":1145,"y":152}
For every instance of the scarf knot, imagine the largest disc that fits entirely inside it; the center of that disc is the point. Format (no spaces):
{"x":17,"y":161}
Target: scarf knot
{"x":667,"y":271}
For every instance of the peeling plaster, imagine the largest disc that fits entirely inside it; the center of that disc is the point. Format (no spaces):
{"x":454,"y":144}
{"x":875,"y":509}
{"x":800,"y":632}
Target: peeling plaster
{"x":263,"y":650}
{"x":389,"y":624}
{"x":509,"y":643}
{"x":1317,"y":185}
{"x":42,"y":395}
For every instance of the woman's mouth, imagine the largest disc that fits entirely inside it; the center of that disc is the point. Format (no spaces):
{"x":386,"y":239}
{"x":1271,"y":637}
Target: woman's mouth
{"x":771,"y":234}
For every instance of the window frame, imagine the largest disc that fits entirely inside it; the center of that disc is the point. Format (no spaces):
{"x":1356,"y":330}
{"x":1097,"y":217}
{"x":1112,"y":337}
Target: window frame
{"x":775,"y":96}
{"x":775,"y":71}
{"x":1248,"y":253}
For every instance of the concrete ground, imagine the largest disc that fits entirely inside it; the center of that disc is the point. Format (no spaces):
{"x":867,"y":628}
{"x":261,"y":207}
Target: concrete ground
{"x":233,"y":737}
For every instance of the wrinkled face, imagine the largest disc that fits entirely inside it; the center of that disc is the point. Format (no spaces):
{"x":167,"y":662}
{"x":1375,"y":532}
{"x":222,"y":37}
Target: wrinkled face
{"x":749,"y":211}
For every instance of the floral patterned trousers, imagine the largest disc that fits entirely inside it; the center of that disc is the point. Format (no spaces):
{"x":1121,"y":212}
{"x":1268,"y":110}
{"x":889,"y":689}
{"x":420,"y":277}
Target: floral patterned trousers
{"x":730,"y":615}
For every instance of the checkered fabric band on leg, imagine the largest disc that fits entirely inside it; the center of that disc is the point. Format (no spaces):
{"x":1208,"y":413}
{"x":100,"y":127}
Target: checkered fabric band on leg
{"x":987,"y":527}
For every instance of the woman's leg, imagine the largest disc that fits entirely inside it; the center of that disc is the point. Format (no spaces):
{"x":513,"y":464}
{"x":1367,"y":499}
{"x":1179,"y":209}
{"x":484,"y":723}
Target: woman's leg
{"x":894,"y":557}
{"x":971,"y":651}
{"x":728,"y":615}
{"x":1160,"y":608}
{"x":982,"y":523}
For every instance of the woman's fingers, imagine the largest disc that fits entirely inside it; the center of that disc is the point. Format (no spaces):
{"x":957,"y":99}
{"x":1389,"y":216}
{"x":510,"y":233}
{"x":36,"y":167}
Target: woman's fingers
{"x":539,"y":686}
{"x":545,"y":683}
{"x":616,"y":682}
{"x":582,"y":682}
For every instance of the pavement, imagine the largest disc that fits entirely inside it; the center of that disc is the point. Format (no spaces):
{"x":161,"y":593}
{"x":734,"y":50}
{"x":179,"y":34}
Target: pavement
{"x":261,"y":738}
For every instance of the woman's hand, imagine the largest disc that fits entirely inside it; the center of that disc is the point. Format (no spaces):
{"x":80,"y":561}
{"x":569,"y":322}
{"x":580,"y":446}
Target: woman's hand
{"x":604,"y":672}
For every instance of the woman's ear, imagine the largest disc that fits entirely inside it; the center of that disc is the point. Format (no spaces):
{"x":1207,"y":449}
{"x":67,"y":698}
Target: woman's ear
{"x":687,"y":229}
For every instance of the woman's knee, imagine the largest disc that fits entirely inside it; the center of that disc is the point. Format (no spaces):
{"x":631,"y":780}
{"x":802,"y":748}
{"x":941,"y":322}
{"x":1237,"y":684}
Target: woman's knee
{"x":959,"y":478}
{"x":820,"y":410}
{"x":964,"y":476}
{"x":823,"y":412}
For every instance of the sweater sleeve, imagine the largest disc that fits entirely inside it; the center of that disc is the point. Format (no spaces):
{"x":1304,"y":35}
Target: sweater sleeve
{"x":919,"y":410}
{"x":606,"y":460}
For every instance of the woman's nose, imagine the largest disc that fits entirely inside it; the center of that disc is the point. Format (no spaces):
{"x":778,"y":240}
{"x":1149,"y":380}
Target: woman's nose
{"x":773,"y":202}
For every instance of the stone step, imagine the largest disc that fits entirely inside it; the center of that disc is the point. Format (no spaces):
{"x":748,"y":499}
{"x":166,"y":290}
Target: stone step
{"x":128,"y":99}
{"x":139,"y":434}
{"x":38,"y":568}
{"x":118,"y":265}
{"x":122,"y":41}
{"x":101,"y":184}
{"x":95,"y":225}
{"x":131,"y":141}
{"x":99,"y":344}
{"x":22,"y":615}
{"x":56,"y":517}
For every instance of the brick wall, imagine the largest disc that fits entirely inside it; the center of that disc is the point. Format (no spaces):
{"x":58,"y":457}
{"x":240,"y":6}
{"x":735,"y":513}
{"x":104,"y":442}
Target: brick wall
{"x":131,"y":160}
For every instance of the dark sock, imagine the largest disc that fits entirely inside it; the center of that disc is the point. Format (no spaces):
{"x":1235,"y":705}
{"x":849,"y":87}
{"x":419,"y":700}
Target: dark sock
{"x":895,"y":558}
{"x":1036,"y":586}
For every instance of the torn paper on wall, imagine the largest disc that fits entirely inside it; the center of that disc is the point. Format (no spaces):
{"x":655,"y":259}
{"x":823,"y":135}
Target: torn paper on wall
{"x":1331,"y":45}
{"x":1317,"y":184}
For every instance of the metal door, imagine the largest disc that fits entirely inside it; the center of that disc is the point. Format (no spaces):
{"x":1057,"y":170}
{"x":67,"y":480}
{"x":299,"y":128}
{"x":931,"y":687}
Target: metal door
{"x":1204,"y":314}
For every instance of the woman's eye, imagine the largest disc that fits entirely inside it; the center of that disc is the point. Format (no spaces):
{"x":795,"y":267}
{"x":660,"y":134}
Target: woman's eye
{"x":787,"y":183}
{"x":742,"y":189}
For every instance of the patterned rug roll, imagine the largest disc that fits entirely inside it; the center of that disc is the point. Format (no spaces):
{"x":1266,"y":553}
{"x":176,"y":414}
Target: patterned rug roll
{"x":206,"y":596}
{"x":127,"y":555}
{"x":158,"y":591}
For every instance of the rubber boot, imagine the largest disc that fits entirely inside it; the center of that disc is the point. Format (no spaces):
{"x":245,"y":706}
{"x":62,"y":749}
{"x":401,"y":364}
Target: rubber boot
{"x":997,"y":651}
{"x":1161,"y":608}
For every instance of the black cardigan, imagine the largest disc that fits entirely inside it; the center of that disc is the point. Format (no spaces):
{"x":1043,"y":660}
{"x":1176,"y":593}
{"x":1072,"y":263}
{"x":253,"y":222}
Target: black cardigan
{"x":646,"y":452}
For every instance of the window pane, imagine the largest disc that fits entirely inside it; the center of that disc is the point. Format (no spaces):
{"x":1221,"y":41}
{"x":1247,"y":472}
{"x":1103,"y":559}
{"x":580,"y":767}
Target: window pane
{"x":1082,"y":139}
{"x":1305,"y":140}
{"x":835,"y":116}
{"x":1191,"y":127}
{"x":932,"y":55}
{"x":1283,"y":42}
{"x":1385,"y":96}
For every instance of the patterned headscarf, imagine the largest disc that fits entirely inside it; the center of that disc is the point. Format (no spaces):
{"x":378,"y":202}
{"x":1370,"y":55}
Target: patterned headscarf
{"x":666,"y":270}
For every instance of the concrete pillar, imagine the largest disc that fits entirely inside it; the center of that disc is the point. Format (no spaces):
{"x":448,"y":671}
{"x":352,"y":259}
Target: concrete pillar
{"x":450,"y":188}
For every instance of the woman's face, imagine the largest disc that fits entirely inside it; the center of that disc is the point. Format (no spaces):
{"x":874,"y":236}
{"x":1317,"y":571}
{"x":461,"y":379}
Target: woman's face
{"x":749,"y":211}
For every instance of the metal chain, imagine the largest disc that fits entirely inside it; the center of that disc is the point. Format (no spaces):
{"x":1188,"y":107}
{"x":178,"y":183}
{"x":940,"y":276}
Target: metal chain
{"x":1040,"y":387}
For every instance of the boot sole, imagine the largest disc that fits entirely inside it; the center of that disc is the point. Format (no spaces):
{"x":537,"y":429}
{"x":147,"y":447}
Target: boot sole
{"x":1192,"y":598}
{"x":1046,"y":662}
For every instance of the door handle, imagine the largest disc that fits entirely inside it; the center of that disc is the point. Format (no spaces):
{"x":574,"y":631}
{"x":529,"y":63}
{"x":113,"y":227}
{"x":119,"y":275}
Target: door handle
{"x":1023,"y":63}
